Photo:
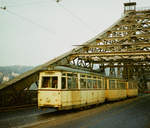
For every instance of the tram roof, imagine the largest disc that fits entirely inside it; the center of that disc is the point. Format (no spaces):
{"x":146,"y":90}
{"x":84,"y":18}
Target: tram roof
{"x":68,"y":69}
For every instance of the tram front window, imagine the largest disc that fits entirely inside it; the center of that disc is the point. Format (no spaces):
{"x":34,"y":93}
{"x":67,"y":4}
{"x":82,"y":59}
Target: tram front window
{"x":50,"y":82}
{"x":45,"y":82}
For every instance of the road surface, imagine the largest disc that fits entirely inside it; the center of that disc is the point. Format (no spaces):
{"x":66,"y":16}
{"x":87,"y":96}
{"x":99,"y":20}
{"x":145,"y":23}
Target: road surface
{"x":131,"y":113}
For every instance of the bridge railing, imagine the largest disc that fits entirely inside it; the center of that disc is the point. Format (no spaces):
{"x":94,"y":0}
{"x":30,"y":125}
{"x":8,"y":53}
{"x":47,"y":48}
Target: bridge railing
{"x":142,"y":8}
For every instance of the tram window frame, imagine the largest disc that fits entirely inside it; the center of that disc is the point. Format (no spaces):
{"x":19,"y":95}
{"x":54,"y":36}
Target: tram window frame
{"x":89,"y":77}
{"x":118,"y":84}
{"x":122,"y":85}
{"x":45,"y":82}
{"x":89,"y":81}
{"x":75,"y":82}
{"x":99,"y":83}
{"x":69,"y":80}
{"x":52,"y":82}
{"x":63,"y":82}
{"x":83,"y":83}
{"x":72,"y":81}
{"x":130,"y":85}
{"x":112,"y":86}
{"x":103,"y":84}
{"x":105,"y":81}
{"x":95,"y":83}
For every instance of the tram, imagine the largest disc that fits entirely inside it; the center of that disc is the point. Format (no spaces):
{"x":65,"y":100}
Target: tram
{"x":66,"y":88}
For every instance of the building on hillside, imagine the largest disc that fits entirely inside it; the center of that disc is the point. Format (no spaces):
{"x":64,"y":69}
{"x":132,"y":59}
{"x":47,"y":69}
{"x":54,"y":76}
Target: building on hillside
{"x":14,"y":74}
{"x":5,"y":78}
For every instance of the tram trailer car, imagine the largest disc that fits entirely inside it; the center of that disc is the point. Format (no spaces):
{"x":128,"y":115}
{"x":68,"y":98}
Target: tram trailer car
{"x":66,"y":88}
{"x":132,"y":89}
{"x":115,"y":89}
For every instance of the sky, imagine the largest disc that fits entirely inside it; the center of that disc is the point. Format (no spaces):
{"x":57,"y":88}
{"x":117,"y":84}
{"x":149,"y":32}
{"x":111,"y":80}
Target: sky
{"x":33,"y":32}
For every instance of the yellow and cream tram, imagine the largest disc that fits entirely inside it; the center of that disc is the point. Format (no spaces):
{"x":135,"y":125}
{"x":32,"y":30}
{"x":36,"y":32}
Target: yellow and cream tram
{"x":67,"y":88}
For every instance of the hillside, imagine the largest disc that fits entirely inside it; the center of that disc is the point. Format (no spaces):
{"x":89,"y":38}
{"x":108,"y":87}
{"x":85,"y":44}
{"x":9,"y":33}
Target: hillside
{"x":10,"y":72}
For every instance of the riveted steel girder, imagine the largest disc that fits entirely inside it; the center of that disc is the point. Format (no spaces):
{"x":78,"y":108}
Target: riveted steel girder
{"x":107,"y":54}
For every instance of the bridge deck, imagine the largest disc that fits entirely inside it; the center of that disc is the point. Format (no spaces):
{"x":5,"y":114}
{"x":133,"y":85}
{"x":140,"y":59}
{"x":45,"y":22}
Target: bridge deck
{"x":129,"y":113}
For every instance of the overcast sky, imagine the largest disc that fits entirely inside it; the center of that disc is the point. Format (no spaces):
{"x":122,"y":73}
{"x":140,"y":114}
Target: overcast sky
{"x":33,"y":32}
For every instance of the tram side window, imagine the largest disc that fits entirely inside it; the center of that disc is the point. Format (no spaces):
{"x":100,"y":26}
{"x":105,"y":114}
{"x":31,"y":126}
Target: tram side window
{"x":122,"y":85}
{"x":89,"y":83}
{"x":118,"y":85}
{"x":111,"y":84}
{"x":99,"y":84}
{"x":69,"y":82}
{"x":45,"y":82}
{"x":94,"y":83}
{"x":103,"y":84}
{"x":83,"y":83}
{"x":105,"y":81}
{"x":53,"y":82}
{"x":130,"y":85}
{"x":72,"y":81}
{"x":63,"y":82}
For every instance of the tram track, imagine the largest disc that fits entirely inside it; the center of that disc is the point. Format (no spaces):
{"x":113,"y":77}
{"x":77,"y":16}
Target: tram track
{"x":33,"y":117}
{"x":112,"y":108}
{"x":62,"y":117}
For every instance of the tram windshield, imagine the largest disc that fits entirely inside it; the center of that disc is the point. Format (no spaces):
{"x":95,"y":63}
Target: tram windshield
{"x":50,"y":82}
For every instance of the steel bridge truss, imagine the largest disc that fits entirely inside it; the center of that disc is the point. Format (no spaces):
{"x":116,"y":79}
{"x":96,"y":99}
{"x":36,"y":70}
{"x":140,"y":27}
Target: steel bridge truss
{"x":125,"y":46}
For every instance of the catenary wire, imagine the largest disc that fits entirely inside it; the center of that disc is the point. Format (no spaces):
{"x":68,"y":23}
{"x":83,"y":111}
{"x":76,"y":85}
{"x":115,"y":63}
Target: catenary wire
{"x":78,"y":18}
{"x":28,"y":3}
{"x":60,"y":5}
{"x":30,"y":21}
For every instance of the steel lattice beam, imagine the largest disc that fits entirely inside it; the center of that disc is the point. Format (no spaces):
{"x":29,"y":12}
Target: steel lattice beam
{"x":108,"y":54}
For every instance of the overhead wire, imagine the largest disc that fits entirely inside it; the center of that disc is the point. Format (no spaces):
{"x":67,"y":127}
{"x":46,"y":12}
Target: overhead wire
{"x":78,"y":18}
{"x":30,"y":21}
{"x":27,"y":3}
{"x":45,"y":28}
